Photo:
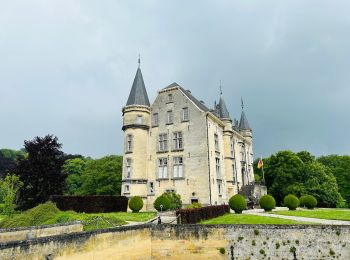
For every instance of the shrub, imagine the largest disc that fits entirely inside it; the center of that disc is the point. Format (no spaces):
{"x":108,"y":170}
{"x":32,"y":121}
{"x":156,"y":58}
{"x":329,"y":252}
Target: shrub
{"x":164,"y":201}
{"x":175,"y":200}
{"x":194,"y":205}
{"x":192,"y":216}
{"x":308,"y":201}
{"x":136,"y":204}
{"x":238,"y":203}
{"x":267,"y":202}
{"x":291,"y":201}
{"x":91,"y":204}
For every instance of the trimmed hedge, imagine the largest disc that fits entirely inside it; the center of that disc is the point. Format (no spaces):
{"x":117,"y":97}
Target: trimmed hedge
{"x":267,"y":202}
{"x":291,"y":201}
{"x":238,"y":203}
{"x":164,"y":201}
{"x":91,"y":204}
{"x":135,"y":204}
{"x":192,"y":216}
{"x":308,"y":201}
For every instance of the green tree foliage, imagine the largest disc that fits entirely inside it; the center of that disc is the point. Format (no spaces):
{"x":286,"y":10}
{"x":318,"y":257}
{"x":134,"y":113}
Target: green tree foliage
{"x":135,"y":204}
{"x":237,"y":203}
{"x":175,"y":200}
{"x":9,"y":187}
{"x":94,"y":177}
{"x":299,"y":174}
{"x":40,"y":172}
{"x":340,"y":166}
{"x":9,"y":159}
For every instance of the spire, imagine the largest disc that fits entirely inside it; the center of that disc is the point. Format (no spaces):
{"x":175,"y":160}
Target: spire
{"x":221,"y":107}
{"x":243,"y":122}
{"x":138,"y":94}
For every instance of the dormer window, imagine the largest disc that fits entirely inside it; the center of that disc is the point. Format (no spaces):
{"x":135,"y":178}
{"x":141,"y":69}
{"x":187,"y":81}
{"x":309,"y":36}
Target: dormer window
{"x":155,"y":119}
{"x":185,"y":114}
{"x":169,"y":117}
{"x":170,"y":97}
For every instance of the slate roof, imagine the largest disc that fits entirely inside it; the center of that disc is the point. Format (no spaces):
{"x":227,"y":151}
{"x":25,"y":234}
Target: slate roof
{"x":243,"y":122}
{"x":222,"y":109}
{"x":138,"y":94}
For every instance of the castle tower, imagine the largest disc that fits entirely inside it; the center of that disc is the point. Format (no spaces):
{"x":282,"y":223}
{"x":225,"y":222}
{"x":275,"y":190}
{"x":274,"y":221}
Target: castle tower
{"x":136,"y":124}
{"x":246,"y":149}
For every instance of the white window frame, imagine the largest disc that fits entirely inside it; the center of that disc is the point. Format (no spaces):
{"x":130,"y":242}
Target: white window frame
{"x":162,"y":168}
{"x":155,"y":119}
{"x":169,"y":117}
{"x":185,"y":114}
{"x":163,"y":142}
{"x":216,"y":141}
{"x":178,"y":140}
{"x":129,"y":142}
{"x":128,"y":163}
{"x":178,"y":167}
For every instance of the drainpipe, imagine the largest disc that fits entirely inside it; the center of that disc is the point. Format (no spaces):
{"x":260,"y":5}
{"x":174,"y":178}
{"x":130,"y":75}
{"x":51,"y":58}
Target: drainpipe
{"x":208,"y":159}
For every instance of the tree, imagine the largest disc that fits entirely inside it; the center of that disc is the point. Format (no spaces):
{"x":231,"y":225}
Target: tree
{"x":74,"y":169}
{"x":102,"y":176}
{"x":41,"y":171}
{"x":9,"y":159}
{"x":300,"y":174}
{"x":340,"y":167}
{"x":9,"y":187}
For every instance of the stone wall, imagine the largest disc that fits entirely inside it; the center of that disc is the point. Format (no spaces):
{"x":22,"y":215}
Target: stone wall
{"x":23,"y":233}
{"x":190,"y":242}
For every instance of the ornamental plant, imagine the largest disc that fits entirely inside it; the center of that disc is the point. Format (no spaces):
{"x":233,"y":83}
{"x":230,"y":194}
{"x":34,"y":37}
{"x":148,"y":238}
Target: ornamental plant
{"x":135,"y":204}
{"x":175,"y":200}
{"x":162,"y":203}
{"x":238,"y":203}
{"x":308,"y":201}
{"x":291,"y":201}
{"x":267,"y":202}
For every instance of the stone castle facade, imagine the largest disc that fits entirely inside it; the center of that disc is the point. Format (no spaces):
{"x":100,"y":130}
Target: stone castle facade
{"x":179,"y":144}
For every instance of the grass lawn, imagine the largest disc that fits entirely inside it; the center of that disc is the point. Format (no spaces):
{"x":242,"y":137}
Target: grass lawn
{"x":335,"y":214}
{"x":135,"y":217}
{"x":250,"y":219}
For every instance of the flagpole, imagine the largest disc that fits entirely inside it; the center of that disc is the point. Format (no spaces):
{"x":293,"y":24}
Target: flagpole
{"x":262,"y":168}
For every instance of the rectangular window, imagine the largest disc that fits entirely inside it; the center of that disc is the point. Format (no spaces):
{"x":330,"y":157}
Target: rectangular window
{"x":129,"y":143}
{"x":233,"y":173}
{"x":169,"y":117}
{"x":216,"y":140}
{"x":217,"y":163}
{"x":162,"y":168}
{"x":151,"y":187}
{"x":219,"y":188}
{"x":139,"y":119}
{"x":232,"y":147}
{"x":185,"y":114}
{"x":155,"y":119}
{"x":126,"y":189}
{"x":163,"y":142}
{"x":128,"y":167}
{"x":178,"y":167}
{"x":177,"y":138}
{"x":170,"y":97}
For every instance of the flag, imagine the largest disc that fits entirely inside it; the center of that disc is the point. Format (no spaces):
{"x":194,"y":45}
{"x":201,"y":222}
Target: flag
{"x":260,"y":163}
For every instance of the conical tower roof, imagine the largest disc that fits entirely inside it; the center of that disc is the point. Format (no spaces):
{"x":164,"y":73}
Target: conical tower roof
{"x":243,"y":122}
{"x":138,"y":94}
{"x":222,"y":109}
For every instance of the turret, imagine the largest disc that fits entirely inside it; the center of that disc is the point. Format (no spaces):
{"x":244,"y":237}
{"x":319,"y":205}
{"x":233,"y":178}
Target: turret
{"x":136,"y":124}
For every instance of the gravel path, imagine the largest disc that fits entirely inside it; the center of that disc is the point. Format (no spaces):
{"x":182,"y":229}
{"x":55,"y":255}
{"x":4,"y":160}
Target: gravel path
{"x":260,"y":212}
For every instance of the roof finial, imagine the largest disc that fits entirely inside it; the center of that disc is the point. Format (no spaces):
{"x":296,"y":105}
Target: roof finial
{"x":139,"y":60}
{"x":220,"y":88}
{"x":242,"y":104}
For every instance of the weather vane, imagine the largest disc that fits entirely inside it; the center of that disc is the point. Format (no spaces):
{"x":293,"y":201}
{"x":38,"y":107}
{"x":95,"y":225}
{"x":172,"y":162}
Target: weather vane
{"x":139,"y":61}
{"x":220,"y":88}
{"x":242,"y":104}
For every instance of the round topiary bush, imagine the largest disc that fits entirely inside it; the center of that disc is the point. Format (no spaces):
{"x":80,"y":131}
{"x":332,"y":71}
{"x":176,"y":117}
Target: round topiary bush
{"x":135,"y":204}
{"x":237,"y":203}
{"x":308,"y":201}
{"x":267,"y":202}
{"x":291,"y":201}
{"x":164,"y":201}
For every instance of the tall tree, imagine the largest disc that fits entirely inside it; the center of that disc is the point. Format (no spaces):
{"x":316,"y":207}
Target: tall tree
{"x":41,"y":172}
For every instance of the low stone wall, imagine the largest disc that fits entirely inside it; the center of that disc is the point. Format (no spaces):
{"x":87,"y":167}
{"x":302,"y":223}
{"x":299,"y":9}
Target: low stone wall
{"x":24,"y":233}
{"x":190,"y":242}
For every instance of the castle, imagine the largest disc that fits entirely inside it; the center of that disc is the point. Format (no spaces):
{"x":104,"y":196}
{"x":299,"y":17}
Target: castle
{"x":179,"y":144}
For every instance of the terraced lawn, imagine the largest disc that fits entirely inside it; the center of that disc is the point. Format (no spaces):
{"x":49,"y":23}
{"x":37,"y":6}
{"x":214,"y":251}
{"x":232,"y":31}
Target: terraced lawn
{"x":251,"y":219}
{"x":333,"y":214}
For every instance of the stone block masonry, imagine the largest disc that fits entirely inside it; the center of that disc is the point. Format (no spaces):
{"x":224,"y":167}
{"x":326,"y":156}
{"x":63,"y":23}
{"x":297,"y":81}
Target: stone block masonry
{"x":190,"y":242}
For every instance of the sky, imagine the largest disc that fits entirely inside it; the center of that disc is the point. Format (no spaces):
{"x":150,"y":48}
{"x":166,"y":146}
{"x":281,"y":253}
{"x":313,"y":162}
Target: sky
{"x":67,"y":66}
